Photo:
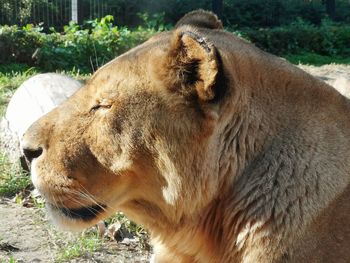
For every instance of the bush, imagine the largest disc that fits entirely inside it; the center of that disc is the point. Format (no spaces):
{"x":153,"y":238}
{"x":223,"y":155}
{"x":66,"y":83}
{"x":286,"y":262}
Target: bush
{"x":77,"y":47}
{"x":315,"y":59}
{"x":249,"y":13}
{"x":18,"y":45}
{"x":329,"y":39}
{"x":85,"y":48}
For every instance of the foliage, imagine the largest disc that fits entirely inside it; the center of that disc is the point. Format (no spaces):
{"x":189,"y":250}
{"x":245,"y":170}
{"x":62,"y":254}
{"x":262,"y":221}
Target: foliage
{"x":248,"y":13}
{"x":22,"y":12}
{"x":12,"y":178}
{"x":253,"y":13}
{"x":84,"y":48}
{"x":9,"y":7}
{"x":18,"y":45}
{"x":315,"y":59}
{"x":156,"y":20}
{"x":11,"y":259}
{"x":272,"y":13}
{"x":14,"y":68}
{"x":127,"y":12}
{"x":83,"y":245}
{"x":328,"y":39}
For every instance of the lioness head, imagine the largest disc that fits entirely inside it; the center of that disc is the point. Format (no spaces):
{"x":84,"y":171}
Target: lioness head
{"x":138,"y":137}
{"x":218,"y":148}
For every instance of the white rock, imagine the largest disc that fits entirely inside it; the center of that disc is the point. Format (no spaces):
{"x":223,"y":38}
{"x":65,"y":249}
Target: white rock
{"x":36,"y":97}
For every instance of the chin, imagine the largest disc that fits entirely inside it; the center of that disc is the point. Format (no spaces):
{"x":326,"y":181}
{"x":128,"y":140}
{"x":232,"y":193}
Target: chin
{"x":76,"y":219}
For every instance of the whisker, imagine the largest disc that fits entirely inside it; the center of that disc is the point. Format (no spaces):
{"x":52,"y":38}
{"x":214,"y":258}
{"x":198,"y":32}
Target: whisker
{"x":84,"y":194}
{"x":91,"y":209}
{"x":54,"y":199}
{"x":92,"y":198}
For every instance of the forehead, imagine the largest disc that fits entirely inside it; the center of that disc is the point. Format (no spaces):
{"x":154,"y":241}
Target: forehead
{"x":131,"y":71}
{"x":119,"y":76}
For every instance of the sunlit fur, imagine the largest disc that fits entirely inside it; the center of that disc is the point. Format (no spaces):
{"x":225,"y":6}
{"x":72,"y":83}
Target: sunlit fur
{"x":223,"y":152}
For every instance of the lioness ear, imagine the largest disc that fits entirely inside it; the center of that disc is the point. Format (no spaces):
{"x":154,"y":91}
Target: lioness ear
{"x":200,"y":18}
{"x":191,"y":65}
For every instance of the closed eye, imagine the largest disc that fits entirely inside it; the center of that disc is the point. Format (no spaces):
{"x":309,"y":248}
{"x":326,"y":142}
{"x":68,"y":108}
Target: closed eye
{"x":99,"y":106}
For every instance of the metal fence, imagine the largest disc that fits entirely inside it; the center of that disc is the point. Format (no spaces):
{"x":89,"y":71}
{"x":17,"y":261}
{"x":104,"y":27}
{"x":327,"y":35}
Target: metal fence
{"x":52,"y":13}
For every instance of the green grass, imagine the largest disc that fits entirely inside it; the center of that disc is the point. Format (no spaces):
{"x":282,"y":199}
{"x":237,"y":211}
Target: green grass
{"x":79,"y":247}
{"x":13,"y":179}
{"x":315,"y":59}
{"x":76,"y":74}
{"x":11,"y":259}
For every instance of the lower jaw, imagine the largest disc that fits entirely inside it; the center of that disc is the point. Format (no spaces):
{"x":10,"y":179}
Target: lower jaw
{"x":75,"y":219}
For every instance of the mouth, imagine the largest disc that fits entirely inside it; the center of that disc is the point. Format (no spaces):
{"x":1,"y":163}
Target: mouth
{"x":86,"y":213}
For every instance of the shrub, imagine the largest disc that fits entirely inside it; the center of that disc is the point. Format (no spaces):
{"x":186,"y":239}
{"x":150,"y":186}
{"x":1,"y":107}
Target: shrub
{"x":315,"y":59}
{"x":77,"y":47}
{"x":328,"y":39}
{"x":18,"y":45}
{"x":85,"y":48}
{"x":272,"y":13}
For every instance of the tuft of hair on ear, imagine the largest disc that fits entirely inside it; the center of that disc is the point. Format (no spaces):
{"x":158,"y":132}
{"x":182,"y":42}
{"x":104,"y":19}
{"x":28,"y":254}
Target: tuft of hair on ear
{"x":191,"y":65}
{"x":200,"y":18}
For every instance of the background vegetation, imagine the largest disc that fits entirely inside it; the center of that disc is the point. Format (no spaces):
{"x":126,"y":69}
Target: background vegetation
{"x":84,"y":48}
{"x":299,"y":30}
{"x":248,"y":13}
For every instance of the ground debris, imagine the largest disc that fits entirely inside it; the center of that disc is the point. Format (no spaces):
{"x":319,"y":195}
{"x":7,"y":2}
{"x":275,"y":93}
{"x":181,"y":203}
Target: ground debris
{"x":26,"y":235}
{"x":8,"y":247}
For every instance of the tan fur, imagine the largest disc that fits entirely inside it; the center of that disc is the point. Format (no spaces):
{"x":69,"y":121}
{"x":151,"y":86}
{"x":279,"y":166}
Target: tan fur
{"x":223,"y":152}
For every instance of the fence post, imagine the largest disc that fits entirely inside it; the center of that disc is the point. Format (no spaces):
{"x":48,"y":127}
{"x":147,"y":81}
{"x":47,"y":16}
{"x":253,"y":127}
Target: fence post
{"x":75,"y":10}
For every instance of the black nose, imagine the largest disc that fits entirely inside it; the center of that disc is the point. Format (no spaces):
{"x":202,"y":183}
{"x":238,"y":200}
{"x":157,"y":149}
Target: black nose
{"x":31,"y":153}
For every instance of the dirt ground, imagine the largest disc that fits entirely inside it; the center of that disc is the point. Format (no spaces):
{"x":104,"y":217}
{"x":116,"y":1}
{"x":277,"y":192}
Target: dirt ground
{"x":27,"y":236}
{"x":23,"y":233}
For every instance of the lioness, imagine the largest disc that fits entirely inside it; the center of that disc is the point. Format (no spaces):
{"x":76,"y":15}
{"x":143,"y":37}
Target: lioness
{"x":223,"y":152}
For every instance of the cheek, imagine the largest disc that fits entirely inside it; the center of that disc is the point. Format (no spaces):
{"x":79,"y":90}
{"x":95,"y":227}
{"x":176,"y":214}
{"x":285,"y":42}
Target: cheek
{"x":107,"y":146}
{"x":114,"y":137}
